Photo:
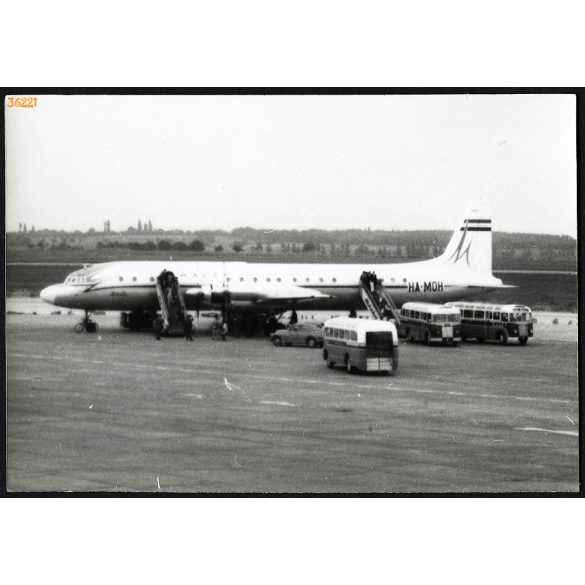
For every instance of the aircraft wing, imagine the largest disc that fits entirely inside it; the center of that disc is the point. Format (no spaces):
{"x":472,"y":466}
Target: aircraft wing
{"x":289,"y":294}
{"x":266,"y":294}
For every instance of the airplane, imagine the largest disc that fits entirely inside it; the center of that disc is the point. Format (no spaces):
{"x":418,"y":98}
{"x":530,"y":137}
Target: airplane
{"x":462,"y":271}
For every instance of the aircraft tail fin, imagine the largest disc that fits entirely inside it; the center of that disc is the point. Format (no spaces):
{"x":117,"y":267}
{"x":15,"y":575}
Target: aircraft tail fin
{"x":470,"y":248}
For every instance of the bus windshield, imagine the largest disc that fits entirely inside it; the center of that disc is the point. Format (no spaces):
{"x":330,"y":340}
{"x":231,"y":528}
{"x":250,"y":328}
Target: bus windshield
{"x":520,"y":316}
{"x":378,"y":339}
{"x":446,"y":317}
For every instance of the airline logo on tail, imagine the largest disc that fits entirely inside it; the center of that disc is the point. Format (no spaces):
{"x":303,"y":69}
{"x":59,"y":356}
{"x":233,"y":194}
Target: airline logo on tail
{"x":470,"y":225}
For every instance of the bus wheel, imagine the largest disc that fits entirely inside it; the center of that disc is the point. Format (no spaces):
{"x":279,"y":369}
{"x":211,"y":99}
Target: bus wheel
{"x":311,"y":342}
{"x":330,"y":363}
{"x":523,"y":340}
{"x":503,"y":337}
{"x":277,"y":341}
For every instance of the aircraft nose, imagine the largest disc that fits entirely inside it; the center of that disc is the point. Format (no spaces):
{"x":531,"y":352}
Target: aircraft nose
{"x":48,"y":294}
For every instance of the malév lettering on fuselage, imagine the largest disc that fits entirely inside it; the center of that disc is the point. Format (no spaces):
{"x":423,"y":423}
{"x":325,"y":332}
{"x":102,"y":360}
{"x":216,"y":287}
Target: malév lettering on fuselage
{"x":462,"y":271}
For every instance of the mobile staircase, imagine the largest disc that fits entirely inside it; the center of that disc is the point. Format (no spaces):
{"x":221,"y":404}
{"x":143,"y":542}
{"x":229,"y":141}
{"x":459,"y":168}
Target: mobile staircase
{"x":377,"y":299}
{"x":172,"y":303}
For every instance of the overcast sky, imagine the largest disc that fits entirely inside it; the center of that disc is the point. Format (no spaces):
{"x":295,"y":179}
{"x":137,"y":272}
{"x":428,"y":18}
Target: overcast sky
{"x":219,"y":162}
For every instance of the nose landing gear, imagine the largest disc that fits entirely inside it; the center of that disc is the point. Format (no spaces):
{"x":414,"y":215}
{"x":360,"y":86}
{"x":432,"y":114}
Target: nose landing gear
{"x":87,"y":324}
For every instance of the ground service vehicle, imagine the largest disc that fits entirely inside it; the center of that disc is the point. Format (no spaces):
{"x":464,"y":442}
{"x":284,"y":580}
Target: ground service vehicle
{"x":361,"y":344}
{"x":484,"y":321}
{"x":305,"y":334}
{"x":430,"y":323}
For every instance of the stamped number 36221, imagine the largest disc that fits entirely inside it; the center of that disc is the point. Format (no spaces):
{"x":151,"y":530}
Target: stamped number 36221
{"x":21,"y":102}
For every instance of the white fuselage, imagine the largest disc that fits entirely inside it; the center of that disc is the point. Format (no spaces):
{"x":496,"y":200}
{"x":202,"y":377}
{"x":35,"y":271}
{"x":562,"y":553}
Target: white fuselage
{"x":130,"y":286}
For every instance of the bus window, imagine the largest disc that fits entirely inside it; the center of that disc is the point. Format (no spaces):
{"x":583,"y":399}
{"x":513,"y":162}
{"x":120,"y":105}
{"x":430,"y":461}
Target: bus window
{"x":439,"y":318}
{"x":504,"y":316}
{"x":496,"y":315}
{"x":354,"y":335}
{"x":488,"y":315}
{"x":416,"y":315}
{"x":346,"y":334}
{"x":479,"y":314}
{"x":428,"y":316}
{"x":468,"y":314}
{"x":453,"y":318}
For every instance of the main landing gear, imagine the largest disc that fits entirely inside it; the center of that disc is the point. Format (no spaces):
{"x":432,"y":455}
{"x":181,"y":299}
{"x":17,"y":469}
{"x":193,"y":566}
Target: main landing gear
{"x":87,"y":324}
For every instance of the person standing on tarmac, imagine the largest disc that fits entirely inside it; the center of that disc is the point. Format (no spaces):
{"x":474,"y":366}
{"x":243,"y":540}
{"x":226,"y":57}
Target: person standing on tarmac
{"x":224,"y":329}
{"x":188,"y":327}
{"x":294,"y":318}
{"x":157,"y":327}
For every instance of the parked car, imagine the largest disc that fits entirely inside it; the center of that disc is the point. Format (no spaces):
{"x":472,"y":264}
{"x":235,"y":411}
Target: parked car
{"x":304,"y":334}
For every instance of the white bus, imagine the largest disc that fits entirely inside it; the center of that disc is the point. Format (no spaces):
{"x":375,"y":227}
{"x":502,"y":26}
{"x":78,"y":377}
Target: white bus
{"x":430,"y":323}
{"x":495,"y":322}
{"x":361,"y":344}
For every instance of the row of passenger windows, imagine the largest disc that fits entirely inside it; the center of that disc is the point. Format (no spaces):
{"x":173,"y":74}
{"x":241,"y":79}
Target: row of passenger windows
{"x":336,"y":333}
{"x":438,"y":318}
{"x":228,"y":279}
{"x":496,"y":315}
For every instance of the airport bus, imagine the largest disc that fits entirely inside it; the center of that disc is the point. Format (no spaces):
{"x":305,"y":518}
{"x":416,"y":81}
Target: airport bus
{"x":484,"y":321}
{"x":430,"y":323}
{"x":361,"y":344}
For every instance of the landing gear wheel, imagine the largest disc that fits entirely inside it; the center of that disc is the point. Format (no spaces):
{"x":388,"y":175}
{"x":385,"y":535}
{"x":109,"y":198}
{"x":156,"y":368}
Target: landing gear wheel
{"x":311,"y":342}
{"x":87,"y":324}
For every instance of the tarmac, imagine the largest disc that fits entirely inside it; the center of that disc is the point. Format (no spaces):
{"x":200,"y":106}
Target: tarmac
{"x":118,"y":411}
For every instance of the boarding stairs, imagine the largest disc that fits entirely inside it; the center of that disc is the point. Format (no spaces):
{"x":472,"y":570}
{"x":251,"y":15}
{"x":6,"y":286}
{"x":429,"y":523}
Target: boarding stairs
{"x":377,"y":299}
{"x":171,"y":301}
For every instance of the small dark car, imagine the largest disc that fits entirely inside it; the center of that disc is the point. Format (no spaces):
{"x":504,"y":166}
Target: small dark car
{"x":303,"y":334}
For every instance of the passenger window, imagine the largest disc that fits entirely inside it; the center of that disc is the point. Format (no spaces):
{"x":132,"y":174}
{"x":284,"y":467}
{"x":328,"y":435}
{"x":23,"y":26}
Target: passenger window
{"x":228,"y":279}
{"x":334,"y":279}
{"x":496,"y":315}
{"x":479,"y":314}
{"x":346,"y":334}
{"x":133,"y":279}
{"x":241,"y":279}
{"x":121,"y":278}
{"x":488,"y":315}
{"x":504,"y":316}
{"x":320,"y":280}
{"x":267,"y":279}
{"x":294,"y":279}
{"x":354,"y":335}
{"x":255,"y":279}
{"x":152,"y":279}
{"x":278,"y":279}
{"x":429,"y":317}
{"x":307,"y":279}
{"x":467,"y":313}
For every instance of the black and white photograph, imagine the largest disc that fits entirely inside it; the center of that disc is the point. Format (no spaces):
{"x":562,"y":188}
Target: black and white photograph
{"x":304,"y":293}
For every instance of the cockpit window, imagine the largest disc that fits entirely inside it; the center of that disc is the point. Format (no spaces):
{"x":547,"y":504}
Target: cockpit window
{"x":83,"y":276}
